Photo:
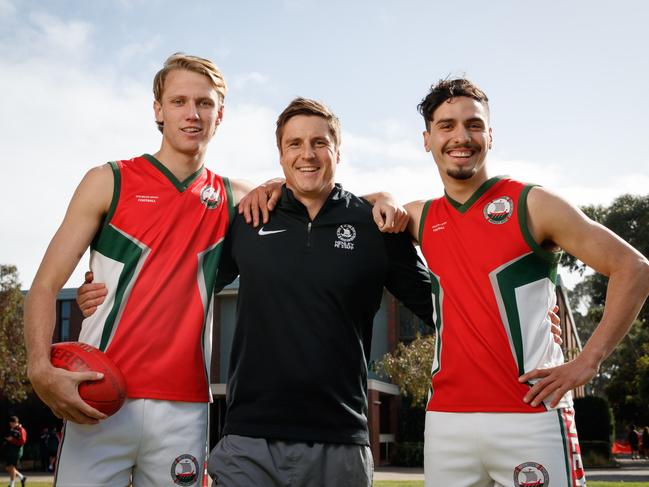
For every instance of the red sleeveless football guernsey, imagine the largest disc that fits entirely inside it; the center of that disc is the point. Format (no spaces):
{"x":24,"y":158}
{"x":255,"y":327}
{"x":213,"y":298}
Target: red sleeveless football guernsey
{"x":492,"y":288}
{"x":158,"y":252}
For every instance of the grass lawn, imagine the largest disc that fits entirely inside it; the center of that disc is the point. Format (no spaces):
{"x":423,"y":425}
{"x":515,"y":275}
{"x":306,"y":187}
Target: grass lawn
{"x":420,"y":483}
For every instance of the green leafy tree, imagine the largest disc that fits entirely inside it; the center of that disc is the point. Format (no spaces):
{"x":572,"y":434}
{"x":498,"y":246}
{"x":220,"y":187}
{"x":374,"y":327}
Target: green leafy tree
{"x":409,"y":367}
{"x":13,"y":357}
{"x":628,"y":217}
{"x":624,"y":377}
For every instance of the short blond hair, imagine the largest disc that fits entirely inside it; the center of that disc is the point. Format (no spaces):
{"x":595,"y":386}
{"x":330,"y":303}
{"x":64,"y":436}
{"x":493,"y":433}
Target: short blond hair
{"x":307,"y":106}
{"x":195,"y":64}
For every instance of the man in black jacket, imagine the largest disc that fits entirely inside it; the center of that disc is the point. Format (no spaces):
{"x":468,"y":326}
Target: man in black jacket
{"x":311,"y":281}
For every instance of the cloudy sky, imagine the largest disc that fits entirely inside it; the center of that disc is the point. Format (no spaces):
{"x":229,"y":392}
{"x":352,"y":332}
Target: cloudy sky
{"x":566,"y":80}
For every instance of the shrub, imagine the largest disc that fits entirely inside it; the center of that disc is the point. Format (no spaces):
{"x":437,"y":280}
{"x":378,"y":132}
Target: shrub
{"x":409,"y":454}
{"x":596,"y":429}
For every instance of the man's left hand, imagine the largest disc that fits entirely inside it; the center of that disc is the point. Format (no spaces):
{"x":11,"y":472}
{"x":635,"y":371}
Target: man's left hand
{"x":388,"y":216}
{"x":262,"y":200}
{"x":556,"y":381}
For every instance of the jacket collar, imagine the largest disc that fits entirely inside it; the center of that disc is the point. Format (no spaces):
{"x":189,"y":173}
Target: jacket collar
{"x":288,"y":202}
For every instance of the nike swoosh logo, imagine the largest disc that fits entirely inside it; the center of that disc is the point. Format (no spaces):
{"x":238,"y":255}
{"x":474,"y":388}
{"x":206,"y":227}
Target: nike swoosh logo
{"x":263,"y":232}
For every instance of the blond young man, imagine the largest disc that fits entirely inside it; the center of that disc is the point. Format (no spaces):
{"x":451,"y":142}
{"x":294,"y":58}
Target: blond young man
{"x":492,"y":246}
{"x":154,"y":224}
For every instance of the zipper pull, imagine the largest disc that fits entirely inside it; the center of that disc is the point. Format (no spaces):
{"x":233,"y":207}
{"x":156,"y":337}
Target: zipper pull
{"x":308,"y":234}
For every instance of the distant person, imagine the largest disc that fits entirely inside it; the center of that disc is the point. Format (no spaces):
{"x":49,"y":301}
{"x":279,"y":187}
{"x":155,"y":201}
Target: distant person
{"x":43,"y":449}
{"x":14,"y":442}
{"x":645,"y":441}
{"x":500,"y":403}
{"x":53,"y":441}
{"x":633,"y":438}
{"x":49,"y":444}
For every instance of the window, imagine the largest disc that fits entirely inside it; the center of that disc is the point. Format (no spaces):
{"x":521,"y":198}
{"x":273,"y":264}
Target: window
{"x":65,"y":310}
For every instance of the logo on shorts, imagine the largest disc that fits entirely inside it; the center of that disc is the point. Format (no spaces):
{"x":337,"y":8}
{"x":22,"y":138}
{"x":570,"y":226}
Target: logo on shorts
{"x":498,"y":211}
{"x":531,"y":474}
{"x":346,"y":235}
{"x":210,"y":197}
{"x":184,"y":470}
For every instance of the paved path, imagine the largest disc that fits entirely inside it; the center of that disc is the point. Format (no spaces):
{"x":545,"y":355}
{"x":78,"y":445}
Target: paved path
{"x":398,"y":473}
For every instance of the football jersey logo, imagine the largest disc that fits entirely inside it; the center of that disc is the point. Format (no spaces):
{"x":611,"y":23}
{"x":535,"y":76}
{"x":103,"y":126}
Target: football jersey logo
{"x":210,"y":197}
{"x":530,"y":474}
{"x":184,"y":470}
{"x":263,"y":232}
{"x":346,"y":234}
{"x":498,"y":211}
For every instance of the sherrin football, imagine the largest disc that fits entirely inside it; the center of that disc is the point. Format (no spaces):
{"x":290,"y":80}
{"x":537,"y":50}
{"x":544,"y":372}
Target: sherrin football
{"x":108,"y":394}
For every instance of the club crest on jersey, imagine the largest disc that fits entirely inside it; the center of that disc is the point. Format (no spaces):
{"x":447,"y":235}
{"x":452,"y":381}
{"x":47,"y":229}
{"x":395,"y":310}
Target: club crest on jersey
{"x":210,"y":197}
{"x":184,"y":470}
{"x":346,"y":234}
{"x":498,"y":211}
{"x":531,"y":474}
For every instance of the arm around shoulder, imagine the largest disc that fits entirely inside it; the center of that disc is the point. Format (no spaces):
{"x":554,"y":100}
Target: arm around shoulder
{"x":240,"y":188}
{"x":389,"y":216}
{"x":255,"y":201}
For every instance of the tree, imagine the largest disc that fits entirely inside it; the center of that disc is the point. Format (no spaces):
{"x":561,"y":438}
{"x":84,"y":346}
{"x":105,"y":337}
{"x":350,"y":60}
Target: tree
{"x":628,"y":217}
{"x":409,"y":367}
{"x":624,"y":377}
{"x":13,"y":357}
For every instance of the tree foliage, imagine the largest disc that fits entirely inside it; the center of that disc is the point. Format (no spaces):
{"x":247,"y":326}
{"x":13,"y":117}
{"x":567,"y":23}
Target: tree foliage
{"x":13,"y":357}
{"x":409,"y":367}
{"x":628,"y":217}
{"x":624,"y":377}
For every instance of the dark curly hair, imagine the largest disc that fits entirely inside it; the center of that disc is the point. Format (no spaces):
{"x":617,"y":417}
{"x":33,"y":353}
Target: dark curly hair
{"x":446,"y":89}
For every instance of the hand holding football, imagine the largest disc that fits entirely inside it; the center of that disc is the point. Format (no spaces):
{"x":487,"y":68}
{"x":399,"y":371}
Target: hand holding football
{"x":106,"y":395}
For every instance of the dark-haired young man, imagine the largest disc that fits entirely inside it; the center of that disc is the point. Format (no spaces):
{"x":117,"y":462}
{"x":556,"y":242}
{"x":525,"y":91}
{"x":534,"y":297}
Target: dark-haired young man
{"x":500,"y":407}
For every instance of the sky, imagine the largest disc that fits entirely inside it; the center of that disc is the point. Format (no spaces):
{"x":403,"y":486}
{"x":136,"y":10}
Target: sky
{"x":566,"y":83}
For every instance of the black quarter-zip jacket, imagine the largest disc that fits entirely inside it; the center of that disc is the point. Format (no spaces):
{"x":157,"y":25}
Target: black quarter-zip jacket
{"x":308,"y":293}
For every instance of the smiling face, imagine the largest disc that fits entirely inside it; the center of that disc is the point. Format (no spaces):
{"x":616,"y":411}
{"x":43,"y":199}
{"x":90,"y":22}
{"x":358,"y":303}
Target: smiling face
{"x":308,"y":155}
{"x":190,"y":110}
{"x":459,"y":137}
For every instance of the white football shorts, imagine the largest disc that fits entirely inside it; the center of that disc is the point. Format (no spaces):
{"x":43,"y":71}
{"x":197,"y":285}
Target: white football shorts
{"x":502,"y":450}
{"x":148,"y":442}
